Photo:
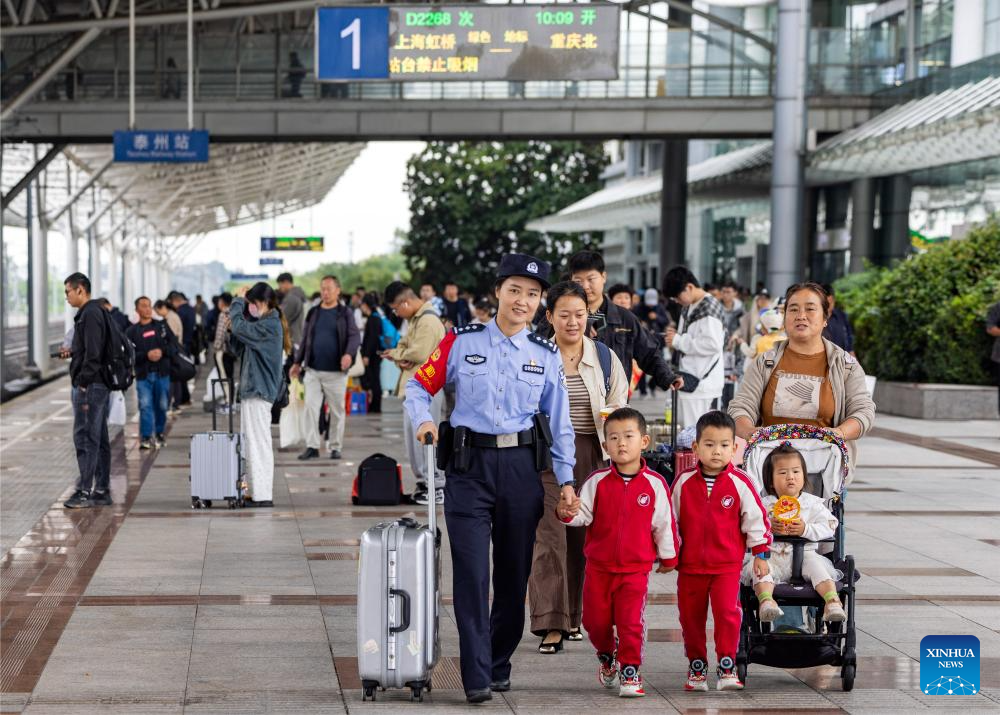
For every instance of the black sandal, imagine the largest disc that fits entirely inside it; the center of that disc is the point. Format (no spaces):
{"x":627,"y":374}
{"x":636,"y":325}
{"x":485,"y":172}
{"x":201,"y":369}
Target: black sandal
{"x":552,"y":647}
{"x":575,"y":634}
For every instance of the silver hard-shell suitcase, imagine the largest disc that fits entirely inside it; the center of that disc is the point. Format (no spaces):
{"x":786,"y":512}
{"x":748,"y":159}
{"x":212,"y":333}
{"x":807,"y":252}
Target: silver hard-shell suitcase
{"x":217,"y":471}
{"x":398,"y":602}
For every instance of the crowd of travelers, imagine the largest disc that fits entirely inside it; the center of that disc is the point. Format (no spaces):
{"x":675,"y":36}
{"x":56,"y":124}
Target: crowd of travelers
{"x":575,"y":350}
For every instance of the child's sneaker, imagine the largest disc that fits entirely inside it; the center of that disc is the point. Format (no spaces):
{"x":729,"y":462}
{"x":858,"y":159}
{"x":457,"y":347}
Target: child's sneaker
{"x":630,"y":683}
{"x":697,"y":676}
{"x":608,"y":672}
{"x":770,"y":611}
{"x":728,"y":679}
{"x":834,"y":612}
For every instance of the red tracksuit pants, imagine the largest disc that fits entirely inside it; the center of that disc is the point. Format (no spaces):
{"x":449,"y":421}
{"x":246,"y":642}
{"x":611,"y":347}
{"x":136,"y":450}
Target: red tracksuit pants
{"x":694,"y":591}
{"x":616,"y":601}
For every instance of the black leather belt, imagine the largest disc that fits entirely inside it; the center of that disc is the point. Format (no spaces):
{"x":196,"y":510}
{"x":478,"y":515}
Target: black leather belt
{"x":501,"y":441}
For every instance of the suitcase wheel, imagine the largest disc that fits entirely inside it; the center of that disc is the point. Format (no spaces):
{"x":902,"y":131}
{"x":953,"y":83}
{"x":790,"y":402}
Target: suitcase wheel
{"x":417,"y":693}
{"x":196,"y":503}
{"x":369,"y":691}
{"x":208,"y":503}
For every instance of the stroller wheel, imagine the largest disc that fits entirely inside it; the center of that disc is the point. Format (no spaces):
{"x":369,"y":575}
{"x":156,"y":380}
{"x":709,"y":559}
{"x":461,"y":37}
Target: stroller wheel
{"x":847,"y":677}
{"x":741,"y":672}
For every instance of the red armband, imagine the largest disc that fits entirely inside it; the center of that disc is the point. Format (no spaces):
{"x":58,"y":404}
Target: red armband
{"x":434,"y":372}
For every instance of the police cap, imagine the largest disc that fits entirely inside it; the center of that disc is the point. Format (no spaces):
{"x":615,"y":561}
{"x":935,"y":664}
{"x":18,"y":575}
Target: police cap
{"x":521,"y":264}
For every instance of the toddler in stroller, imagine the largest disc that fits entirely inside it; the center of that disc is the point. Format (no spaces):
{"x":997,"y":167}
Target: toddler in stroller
{"x":817,"y":574}
{"x":803,"y":515}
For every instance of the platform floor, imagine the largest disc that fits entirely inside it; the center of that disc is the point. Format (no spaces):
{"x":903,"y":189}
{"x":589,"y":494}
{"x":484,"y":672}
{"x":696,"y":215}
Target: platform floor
{"x":150,"y":607}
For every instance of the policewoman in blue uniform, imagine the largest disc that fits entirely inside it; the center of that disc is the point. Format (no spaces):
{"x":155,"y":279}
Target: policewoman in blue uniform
{"x":511,"y":421}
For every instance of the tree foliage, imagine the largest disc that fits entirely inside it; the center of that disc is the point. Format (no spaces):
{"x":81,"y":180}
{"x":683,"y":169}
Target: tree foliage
{"x":470,"y":202}
{"x":925,"y":319}
{"x":374,"y":273}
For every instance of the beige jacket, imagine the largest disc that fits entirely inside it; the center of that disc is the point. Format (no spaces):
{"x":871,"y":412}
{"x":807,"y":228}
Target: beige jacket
{"x":847,"y":379}
{"x":174,"y":323}
{"x":424,"y":331}
{"x":593,"y":378}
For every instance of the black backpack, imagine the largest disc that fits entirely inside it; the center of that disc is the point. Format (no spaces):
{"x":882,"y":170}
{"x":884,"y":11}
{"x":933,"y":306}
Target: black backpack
{"x":379,"y":482}
{"x":604,"y":357}
{"x":118,"y":370}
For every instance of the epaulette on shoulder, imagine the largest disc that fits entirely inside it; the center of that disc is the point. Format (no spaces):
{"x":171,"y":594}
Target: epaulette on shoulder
{"x":470,"y":328}
{"x":544,"y":342}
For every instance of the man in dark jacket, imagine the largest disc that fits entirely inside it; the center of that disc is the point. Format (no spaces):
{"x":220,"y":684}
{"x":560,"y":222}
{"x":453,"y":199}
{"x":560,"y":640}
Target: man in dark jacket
{"x":153,"y":343}
{"x":90,"y":396}
{"x":330,"y":341}
{"x":456,"y":308}
{"x":838,"y":327}
{"x":614,"y":326}
{"x":189,"y":321}
{"x":119,"y":318}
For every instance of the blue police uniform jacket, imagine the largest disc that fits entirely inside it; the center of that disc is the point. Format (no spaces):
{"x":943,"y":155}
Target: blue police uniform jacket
{"x":500,"y":383}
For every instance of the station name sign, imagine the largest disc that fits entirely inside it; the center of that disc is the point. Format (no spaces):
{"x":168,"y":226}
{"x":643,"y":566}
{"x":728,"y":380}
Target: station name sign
{"x":291,"y":243}
{"x":467,"y":42}
{"x":168,"y":145}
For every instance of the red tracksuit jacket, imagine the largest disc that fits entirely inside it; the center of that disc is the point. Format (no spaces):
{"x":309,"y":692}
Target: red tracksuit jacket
{"x":631,"y":524}
{"x":717,"y":529}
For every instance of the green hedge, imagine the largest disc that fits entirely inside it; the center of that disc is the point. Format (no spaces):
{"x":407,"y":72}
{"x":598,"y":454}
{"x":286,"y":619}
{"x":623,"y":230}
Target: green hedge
{"x":924,"y":319}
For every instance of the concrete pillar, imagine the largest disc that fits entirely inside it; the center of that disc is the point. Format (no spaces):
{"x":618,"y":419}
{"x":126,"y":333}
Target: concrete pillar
{"x":38,"y":280}
{"x":128,"y":284}
{"x":910,"y":59}
{"x":111,"y":291}
{"x":862,"y":222}
{"x":678,"y":81}
{"x":673,"y":205}
{"x":895,"y":205}
{"x":94,"y":246}
{"x":787,"y":176}
{"x":968,"y":37}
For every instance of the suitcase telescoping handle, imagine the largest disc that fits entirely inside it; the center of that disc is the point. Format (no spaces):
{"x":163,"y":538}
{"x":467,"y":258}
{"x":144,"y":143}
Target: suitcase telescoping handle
{"x":215,"y":425}
{"x":431,"y":462}
{"x":673,"y":420}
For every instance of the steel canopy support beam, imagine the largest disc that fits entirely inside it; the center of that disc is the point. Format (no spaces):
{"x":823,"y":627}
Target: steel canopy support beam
{"x":67,"y":56}
{"x":97,"y":216}
{"x":26,"y":180}
{"x":52,"y":218}
{"x":163,"y":18}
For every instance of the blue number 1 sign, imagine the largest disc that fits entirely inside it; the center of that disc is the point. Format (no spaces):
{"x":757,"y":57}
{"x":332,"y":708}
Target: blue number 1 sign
{"x":352,"y":43}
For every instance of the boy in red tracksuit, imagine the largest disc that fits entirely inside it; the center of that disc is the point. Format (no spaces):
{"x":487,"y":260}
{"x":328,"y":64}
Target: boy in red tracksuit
{"x":719,"y":516}
{"x":627,"y":508}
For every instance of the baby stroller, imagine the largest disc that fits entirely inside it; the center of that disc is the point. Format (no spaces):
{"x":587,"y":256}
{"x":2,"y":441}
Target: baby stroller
{"x":822,"y":643}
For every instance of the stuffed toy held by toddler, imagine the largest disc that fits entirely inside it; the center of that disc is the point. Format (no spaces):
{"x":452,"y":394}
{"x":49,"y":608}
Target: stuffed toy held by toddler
{"x":772,"y":333}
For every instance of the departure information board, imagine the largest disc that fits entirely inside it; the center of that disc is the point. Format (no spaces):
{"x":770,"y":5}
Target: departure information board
{"x":291,"y":243}
{"x":467,"y":42}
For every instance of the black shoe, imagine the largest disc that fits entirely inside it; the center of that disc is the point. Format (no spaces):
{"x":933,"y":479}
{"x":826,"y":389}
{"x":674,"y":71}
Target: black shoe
{"x":100,"y":498}
{"x":500,"y":686}
{"x":549,"y":647}
{"x":310,"y":453}
{"x":480,"y":695}
{"x":335,"y":454}
{"x":79,"y":500}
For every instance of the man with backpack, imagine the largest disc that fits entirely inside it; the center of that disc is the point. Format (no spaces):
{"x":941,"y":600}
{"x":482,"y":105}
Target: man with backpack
{"x":90,"y":395}
{"x":424,"y":331}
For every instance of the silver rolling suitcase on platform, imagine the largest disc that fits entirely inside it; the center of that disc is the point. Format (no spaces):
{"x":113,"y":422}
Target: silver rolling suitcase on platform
{"x":217,"y":471}
{"x":398,"y":602}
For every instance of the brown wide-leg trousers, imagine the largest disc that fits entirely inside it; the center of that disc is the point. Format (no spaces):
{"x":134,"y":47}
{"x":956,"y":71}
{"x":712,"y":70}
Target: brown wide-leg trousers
{"x":555,"y":589}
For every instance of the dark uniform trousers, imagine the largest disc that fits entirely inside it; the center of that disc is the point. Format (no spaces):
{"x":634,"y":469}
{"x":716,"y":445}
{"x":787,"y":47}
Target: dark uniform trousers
{"x":499,"y":497}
